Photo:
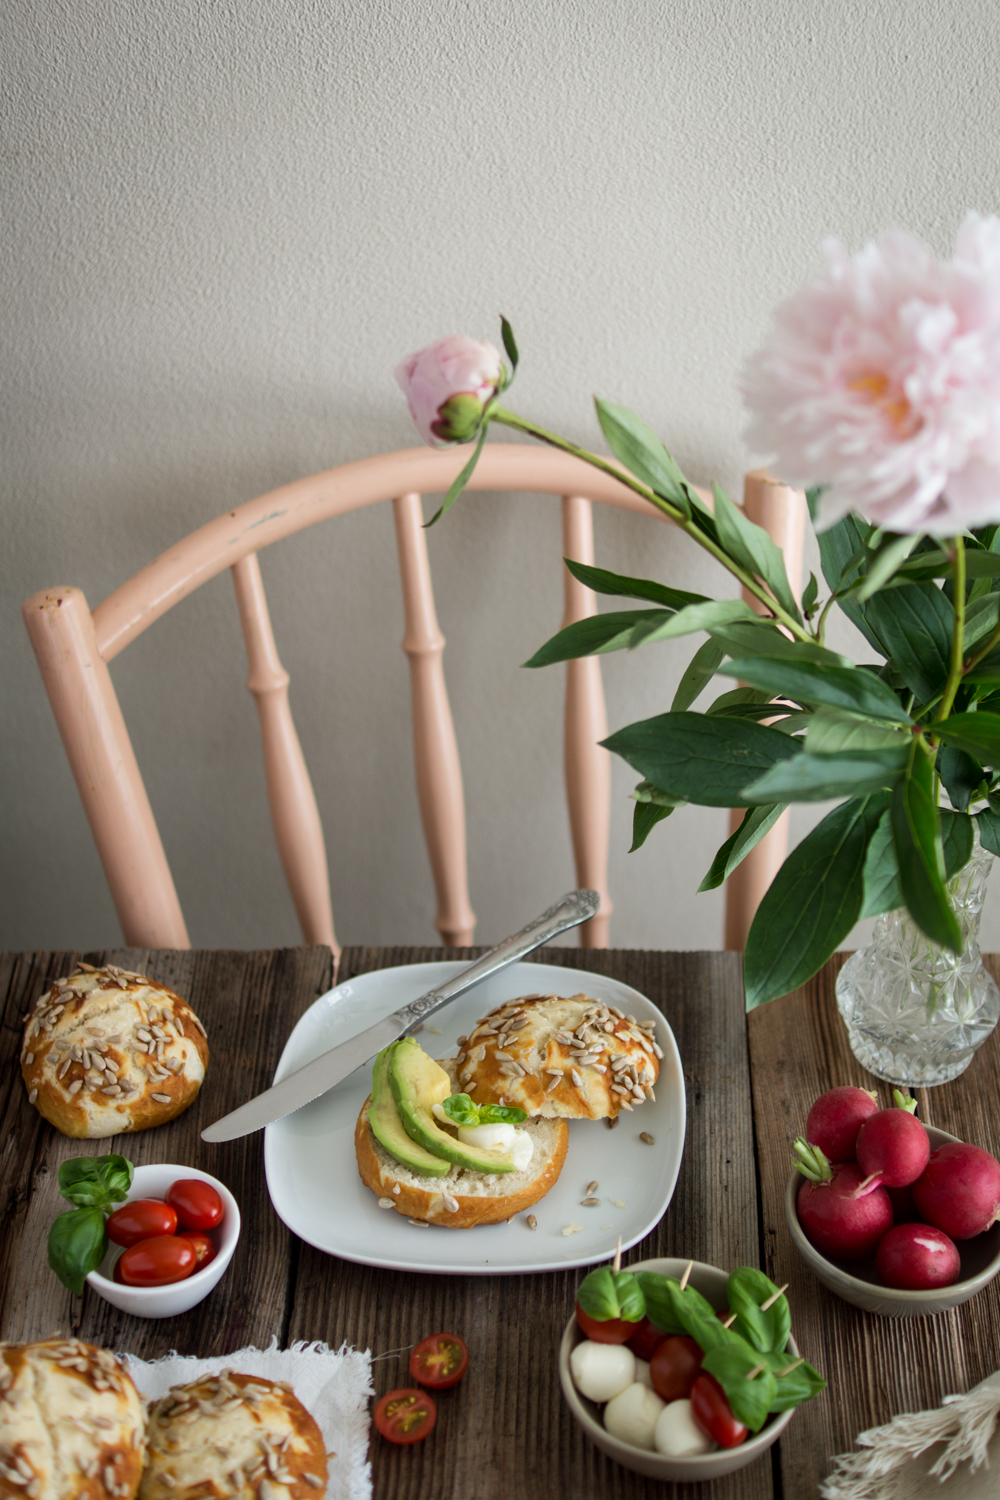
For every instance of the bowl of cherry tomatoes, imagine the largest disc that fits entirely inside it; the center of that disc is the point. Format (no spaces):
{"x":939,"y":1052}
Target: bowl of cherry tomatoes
{"x":712,"y":1284}
{"x":170,"y":1242}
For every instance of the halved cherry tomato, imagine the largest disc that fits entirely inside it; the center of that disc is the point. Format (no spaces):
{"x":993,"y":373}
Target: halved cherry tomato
{"x":439,"y":1361}
{"x":645,"y":1340}
{"x":156,"y":1262}
{"x":197,"y":1203}
{"x":713,"y":1414}
{"x":205,"y":1248}
{"x":675,"y":1367}
{"x":405,"y":1416}
{"x":606,"y":1331}
{"x":141,"y":1220}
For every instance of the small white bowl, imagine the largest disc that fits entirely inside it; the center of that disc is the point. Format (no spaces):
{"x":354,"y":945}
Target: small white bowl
{"x":711,"y":1282}
{"x":178,"y":1296}
{"x":857,"y":1281}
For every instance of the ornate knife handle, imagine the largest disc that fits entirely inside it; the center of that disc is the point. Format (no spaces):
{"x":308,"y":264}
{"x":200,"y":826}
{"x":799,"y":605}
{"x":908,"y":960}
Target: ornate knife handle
{"x":574,"y":908}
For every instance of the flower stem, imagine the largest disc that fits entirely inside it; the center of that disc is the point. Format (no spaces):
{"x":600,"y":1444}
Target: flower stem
{"x":958,"y":638}
{"x":749,"y":582}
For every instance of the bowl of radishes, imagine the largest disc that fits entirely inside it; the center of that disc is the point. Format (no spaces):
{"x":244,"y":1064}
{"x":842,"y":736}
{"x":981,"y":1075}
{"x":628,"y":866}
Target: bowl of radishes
{"x":894,"y":1216}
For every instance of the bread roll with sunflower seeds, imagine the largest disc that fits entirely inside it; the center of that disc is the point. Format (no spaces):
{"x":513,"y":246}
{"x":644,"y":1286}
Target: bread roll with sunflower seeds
{"x":72,"y":1424}
{"x":555,"y":1055}
{"x":106,"y":1052}
{"x":235,"y":1435}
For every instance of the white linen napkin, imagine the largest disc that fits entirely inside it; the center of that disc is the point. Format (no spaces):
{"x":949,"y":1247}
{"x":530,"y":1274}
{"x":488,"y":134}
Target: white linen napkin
{"x":334,"y":1385}
{"x":898,"y":1466}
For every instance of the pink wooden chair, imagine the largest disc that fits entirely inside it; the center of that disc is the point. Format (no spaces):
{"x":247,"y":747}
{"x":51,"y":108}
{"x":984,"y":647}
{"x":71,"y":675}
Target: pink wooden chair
{"x":74,"y":646}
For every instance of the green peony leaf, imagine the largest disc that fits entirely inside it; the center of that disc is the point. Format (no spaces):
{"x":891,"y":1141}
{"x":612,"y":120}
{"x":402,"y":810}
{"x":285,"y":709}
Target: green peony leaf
{"x":701,"y":758}
{"x":751,"y":547}
{"x":914,"y":823}
{"x":698,"y":673}
{"x":758,"y":821}
{"x":977,"y":734}
{"x":594,"y":636}
{"x":812,"y":903}
{"x":621,"y":586}
{"x":642,"y":453}
{"x":832,"y":729}
{"x":818,"y":778}
{"x":808,"y":682}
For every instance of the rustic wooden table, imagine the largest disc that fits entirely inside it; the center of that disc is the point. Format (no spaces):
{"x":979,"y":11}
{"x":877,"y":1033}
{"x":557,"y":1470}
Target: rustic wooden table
{"x":504,"y":1433}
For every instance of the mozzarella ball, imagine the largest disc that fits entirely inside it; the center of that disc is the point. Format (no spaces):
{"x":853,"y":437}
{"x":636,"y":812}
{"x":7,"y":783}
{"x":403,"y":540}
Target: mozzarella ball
{"x":677,"y":1433}
{"x":642,"y":1374}
{"x":631,"y":1416}
{"x":600,"y":1371}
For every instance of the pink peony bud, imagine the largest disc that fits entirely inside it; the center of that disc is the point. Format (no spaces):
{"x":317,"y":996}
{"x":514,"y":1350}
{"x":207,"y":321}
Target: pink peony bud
{"x":448,"y":386}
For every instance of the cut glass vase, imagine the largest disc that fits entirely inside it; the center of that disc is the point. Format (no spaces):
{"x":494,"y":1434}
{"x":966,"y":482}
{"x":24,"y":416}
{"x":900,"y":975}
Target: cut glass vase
{"x":915,"y":1013}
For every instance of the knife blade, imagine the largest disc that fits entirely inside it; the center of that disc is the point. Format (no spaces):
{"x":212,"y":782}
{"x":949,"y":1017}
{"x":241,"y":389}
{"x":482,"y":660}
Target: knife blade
{"x":330,"y":1068}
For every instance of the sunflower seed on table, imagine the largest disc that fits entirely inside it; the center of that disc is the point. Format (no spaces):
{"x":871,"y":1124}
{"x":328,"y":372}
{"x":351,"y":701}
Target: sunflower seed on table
{"x":591,"y":1187}
{"x":590,"y":1202}
{"x":532,"y":1222}
{"x":644,"y":1135}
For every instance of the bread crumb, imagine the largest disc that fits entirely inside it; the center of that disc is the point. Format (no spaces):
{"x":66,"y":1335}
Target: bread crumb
{"x":607,"y":1226}
{"x":572,"y":1229}
{"x":617,"y":1203}
{"x":436,"y":1029}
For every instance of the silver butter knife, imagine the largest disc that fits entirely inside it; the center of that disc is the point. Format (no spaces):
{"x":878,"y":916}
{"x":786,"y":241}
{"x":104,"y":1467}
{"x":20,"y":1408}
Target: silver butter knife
{"x":330,"y":1068}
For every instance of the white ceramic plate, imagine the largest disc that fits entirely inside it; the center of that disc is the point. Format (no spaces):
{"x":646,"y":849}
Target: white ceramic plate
{"x":312,"y":1175}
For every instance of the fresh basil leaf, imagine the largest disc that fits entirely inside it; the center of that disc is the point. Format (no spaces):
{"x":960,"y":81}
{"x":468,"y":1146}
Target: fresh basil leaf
{"x":78,"y":1242}
{"x":758,"y":821}
{"x":676,"y":1310}
{"x":601,"y":581}
{"x":914,"y":821}
{"x":461,"y":1109}
{"x":800,"y":1384}
{"x":808,"y":682}
{"x":699,"y":672}
{"x":812,"y":903}
{"x":95,"y":1181}
{"x":659,"y":1302}
{"x":749,"y":1400}
{"x":977,"y":734}
{"x":594,"y":636}
{"x":818,"y":778}
{"x":642,"y":453}
{"x":701,"y":759}
{"x":608,"y":1294}
{"x":750,"y":545}
{"x":501,"y":1114}
{"x":765,"y":1329}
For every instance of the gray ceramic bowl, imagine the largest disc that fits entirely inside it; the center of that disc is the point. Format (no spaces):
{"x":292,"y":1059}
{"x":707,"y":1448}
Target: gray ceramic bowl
{"x":857,"y":1281}
{"x":711,"y":1282}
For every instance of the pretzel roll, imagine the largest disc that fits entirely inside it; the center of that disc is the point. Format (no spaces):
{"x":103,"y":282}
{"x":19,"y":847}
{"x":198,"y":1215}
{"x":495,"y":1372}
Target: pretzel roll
{"x":106,"y":1052}
{"x":553,"y":1055}
{"x":241,"y":1436}
{"x":72,"y":1424}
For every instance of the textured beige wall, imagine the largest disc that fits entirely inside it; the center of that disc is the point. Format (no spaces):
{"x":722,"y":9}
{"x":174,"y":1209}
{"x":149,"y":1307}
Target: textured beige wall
{"x":224,"y":224}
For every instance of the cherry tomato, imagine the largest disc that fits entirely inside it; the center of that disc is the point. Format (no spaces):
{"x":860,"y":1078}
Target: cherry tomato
{"x":116,"y":1274}
{"x":197,"y":1203}
{"x":204,"y":1248}
{"x":141,"y":1220}
{"x":155,"y":1262}
{"x":675,"y":1367}
{"x":439,"y":1361}
{"x":608,"y":1331}
{"x":405,"y":1416}
{"x":712,"y":1413}
{"x":646,"y":1339}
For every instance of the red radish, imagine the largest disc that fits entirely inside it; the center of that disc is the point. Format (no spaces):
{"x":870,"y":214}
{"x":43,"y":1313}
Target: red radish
{"x":835,"y":1217}
{"x":917,"y":1258}
{"x":893,"y":1147}
{"x":835,"y":1119}
{"x":960,"y":1190}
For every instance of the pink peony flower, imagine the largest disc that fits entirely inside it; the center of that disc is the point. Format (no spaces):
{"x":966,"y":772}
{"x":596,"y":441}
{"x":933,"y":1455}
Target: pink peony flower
{"x":881,"y":381}
{"x":447,"y":387}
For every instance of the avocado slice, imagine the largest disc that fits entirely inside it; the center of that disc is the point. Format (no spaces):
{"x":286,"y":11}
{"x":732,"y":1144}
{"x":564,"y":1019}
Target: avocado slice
{"x":418,"y":1083}
{"x":383,"y":1117}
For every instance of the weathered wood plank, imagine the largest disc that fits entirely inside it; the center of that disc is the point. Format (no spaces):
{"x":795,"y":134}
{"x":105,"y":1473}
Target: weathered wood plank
{"x":504,"y":1433}
{"x":248,"y":1002}
{"x":876,"y":1367}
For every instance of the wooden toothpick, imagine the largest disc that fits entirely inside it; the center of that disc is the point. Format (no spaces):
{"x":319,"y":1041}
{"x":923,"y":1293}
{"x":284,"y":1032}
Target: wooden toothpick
{"x":687,"y":1272}
{"x":618,"y":1256}
{"x":774,"y":1297}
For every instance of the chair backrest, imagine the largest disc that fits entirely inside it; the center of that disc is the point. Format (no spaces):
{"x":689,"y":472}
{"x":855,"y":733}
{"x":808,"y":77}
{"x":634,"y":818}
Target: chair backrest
{"x":73,"y":647}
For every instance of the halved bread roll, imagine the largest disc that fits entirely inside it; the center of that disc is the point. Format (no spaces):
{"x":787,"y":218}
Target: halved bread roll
{"x":462,"y":1199}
